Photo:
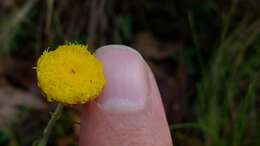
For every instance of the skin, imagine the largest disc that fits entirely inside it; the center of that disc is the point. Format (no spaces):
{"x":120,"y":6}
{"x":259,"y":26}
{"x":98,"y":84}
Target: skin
{"x":129,"y":112}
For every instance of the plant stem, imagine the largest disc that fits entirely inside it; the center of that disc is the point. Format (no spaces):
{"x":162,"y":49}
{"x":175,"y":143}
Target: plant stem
{"x":185,"y":125}
{"x":47,"y":131}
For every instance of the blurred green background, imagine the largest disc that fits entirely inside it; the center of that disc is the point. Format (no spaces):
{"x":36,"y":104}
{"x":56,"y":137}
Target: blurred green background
{"x":205,"y":55}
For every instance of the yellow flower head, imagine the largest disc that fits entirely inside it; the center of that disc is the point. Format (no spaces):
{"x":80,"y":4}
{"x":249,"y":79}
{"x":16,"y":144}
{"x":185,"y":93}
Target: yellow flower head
{"x":70,"y":74}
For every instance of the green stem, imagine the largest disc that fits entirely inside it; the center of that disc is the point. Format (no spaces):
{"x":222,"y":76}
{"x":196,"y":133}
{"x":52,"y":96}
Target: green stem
{"x":47,"y":131}
{"x":185,"y":125}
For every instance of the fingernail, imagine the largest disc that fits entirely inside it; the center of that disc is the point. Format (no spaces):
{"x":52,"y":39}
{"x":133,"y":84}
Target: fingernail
{"x":126,"y":89}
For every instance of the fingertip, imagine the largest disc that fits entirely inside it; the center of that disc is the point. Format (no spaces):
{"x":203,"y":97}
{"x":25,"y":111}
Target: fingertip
{"x":127,"y":80}
{"x":127,"y":112}
{"x":116,"y":48}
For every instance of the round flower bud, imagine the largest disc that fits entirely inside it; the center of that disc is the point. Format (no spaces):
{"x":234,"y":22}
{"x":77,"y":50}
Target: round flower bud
{"x":70,"y":74}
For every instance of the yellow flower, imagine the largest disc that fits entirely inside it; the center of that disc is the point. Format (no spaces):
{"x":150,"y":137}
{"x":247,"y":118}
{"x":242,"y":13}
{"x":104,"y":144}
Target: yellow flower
{"x":70,"y":74}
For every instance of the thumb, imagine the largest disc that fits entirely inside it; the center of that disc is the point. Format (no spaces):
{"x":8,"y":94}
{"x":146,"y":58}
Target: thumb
{"x":129,"y":112}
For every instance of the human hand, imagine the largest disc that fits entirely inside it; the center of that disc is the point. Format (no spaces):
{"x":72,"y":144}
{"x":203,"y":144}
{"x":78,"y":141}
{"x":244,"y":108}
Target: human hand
{"x":129,"y":112}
